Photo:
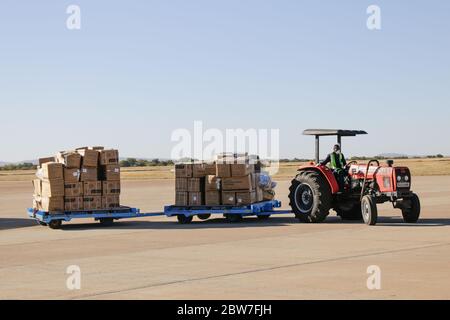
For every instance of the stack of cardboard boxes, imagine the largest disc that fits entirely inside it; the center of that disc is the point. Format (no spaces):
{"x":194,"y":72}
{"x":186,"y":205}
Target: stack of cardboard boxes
{"x":233,"y":182}
{"x":83,"y":179}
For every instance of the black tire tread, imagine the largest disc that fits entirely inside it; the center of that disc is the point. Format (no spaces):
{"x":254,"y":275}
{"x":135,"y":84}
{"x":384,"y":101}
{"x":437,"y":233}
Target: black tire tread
{"x":373,"y":217}
{"x":412,"y":214}
{"x":322,"y":195}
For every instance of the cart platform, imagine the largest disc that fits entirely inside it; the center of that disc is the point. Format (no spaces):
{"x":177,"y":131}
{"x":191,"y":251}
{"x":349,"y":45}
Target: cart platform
{"x":259,"y":208}
{"x":185,"y":214}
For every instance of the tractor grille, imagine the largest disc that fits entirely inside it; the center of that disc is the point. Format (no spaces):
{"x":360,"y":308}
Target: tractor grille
{"x":403,"y":178}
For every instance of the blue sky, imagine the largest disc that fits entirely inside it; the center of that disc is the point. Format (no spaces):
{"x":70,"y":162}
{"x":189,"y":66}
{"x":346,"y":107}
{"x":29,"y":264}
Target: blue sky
{"x":137,"y":70}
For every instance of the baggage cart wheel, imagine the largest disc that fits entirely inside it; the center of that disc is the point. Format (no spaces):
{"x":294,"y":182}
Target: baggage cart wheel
{"x":42,"y":223}
{"x":204,"y":216}
{"x":106,"y":221}
{"x":55,"y":224}
{"x":263,"y":217}
{"x":183,"y":219}
{"x":233,"y":218}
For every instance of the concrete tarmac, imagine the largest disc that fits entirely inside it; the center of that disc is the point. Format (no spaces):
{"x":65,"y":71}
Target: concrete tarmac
{"x":156,"y":258}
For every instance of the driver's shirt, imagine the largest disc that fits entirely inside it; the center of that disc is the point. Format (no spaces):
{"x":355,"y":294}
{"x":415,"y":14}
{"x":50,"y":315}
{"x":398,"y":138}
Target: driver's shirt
{"x":328,"y":160}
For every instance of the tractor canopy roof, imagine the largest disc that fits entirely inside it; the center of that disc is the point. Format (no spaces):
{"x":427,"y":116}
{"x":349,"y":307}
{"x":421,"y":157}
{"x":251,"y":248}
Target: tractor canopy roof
{"x":333,"y":132}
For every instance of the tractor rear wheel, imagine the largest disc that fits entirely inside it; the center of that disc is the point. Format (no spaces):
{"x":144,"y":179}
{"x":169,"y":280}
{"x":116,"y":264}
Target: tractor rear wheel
{"x":310,"y":197}
{"x":369,"y":210}
{"x":353,"y":213}
{"x":411,"y":215}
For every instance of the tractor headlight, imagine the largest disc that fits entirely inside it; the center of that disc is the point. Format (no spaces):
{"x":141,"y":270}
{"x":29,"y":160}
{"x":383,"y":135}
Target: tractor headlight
{"x":399,"y":178}
{"x":406,"y":178}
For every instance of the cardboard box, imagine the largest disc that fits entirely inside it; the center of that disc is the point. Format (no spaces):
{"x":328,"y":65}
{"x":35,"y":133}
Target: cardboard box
{"x":245,"y":198}
{"x":238,"y":183}
{"x":212,"y":183}
{"x":45,"y":160}
{"x":98,"y":148}
{"x":228,"y":198}
{"x":195,"y":199}
{"x":73,"y":203}
{"x":52,"y":188}
{"x":70,"y":159}
{"x":183,"y":170}
{"x":111,"y":188}
{"x":181,"y":184}
{"x":111,"y":201}
{"x":89,"y":157}
{"x":200,"y":170}
{"x":92,"y":188}
{"x":241,"y":170}
{"x":51,"y":204}
{"x":72,"y":175}
{"x":195,"y":184}
{"x":37,"y":185}
{"x":255,"y":177}
{"x":212,"y":198}
{"x":73,"y":189}
{"x":110,"y":172}
{"x":36,"y":202}
{"x":89,"y":174}
{"x":233,"y":157}
{"x":223,"y":170}
{"x":92,"y":202}
{"x":181,"y":198}
{"x":50,"y":171}
{"x":210,"y":168}
{"x":259,"y":194}
{"x":268,"y":195}
{"x":109,"y":157}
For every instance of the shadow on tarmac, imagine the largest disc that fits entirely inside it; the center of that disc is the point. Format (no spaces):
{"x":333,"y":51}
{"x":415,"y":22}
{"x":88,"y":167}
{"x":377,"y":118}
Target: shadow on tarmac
{"x":249,"y":222}
{"x":14,"y":223}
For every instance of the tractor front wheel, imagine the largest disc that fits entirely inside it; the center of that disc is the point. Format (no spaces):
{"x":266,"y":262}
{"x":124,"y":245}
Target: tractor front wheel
{"x":411,"y":214}
{"x":310,"y":197}
{"x":369,"y":210}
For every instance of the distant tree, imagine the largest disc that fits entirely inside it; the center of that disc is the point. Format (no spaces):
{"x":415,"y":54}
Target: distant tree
{"x":125,"y":163}
{"x":19,"y":166}
{"x":133,"y":162}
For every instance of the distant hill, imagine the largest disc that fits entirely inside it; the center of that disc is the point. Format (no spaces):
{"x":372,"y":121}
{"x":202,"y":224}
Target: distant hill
{"x":392,"y":155}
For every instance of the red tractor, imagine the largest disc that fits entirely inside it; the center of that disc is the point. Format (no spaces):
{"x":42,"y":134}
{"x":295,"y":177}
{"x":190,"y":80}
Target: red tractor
{"x":315,"y":189}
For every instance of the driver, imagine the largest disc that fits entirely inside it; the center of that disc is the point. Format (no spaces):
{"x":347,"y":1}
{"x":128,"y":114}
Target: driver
{"x":338,"y":163}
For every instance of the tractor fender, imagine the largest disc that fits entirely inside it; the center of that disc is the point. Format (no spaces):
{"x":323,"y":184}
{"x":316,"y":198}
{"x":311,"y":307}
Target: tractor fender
{"x":326,"y":173}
